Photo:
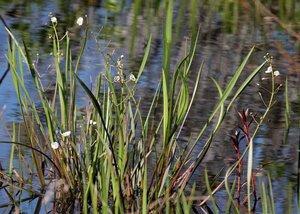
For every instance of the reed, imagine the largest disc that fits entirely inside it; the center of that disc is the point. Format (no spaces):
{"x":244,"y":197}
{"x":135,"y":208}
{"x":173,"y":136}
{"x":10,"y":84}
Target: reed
{"x":101,"y":160}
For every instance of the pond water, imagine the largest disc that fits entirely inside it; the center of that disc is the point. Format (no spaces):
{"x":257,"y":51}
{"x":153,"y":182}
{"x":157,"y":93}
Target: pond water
{"x":222,"y":46}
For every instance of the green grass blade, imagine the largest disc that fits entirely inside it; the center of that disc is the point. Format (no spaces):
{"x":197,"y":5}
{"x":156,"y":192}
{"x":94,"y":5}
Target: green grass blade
{"x":99,"y":111}
{"x":225,"y":94}
{"x":146,"y":54}
{"x":167,"y":39}
{"x":96,"y":105}
{"x":229,"y":202}
{"x":213,"y":201}
{"x":245,"y":84}
{"x":271,"y":195}
{"x":287,"y":111}
{"x":192,"y":98}
{"x":264,"y":198}
{"x":165,"y":110}
{"x":229,"y":191}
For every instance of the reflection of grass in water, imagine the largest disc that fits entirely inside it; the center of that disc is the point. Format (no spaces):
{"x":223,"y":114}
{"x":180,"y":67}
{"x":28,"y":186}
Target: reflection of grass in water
{"x":103,"y":163}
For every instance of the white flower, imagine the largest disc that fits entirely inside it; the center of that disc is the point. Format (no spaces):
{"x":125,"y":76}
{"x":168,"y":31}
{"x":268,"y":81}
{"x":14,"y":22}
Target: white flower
{"x":132,"y":77}
{"x":53,"y":19}
{"x":276,"y":73}
{"x":117,"y":78}
{"x":93,"y":122}
{"x":79,"y":21}
{"x":269,"y":70}
{"x":66,"y":134}
{"x":54,"y":145}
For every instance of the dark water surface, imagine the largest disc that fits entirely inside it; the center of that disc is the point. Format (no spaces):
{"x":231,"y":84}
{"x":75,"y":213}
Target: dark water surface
{"x":222,"y":46}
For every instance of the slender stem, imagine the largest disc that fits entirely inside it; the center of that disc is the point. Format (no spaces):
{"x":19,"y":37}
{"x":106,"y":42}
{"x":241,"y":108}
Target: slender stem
{"x":250,"y":156}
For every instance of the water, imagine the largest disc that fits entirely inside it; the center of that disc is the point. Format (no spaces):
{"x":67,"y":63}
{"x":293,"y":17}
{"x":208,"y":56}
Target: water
{"x":222,"y":46}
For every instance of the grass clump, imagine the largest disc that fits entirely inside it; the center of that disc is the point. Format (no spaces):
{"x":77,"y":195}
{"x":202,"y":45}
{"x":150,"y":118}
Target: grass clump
{"x":101,"y":163}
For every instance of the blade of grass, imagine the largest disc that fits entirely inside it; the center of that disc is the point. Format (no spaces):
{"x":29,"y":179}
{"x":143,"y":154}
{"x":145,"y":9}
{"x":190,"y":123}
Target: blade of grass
{"x":229,"y":191}
{"x":99,"y":111}
{"x":165,"y":110}
{"x":221,"y":101}
{"x":271,"y":195}
{"x":213,"y":201}
{"x":146,"y":54}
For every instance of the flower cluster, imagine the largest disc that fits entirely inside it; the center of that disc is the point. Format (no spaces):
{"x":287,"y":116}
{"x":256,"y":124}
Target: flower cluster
{"x":117,"y":78}
{"x":53,"y":20}
{"x":270,"y":70}
{"x":120,"y":77}
{"x":55,"y":145}
{"x":93,"y":122}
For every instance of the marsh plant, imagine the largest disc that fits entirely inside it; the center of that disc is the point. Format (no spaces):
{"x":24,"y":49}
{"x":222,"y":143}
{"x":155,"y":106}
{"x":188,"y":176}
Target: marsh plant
{"x":98,"y":161}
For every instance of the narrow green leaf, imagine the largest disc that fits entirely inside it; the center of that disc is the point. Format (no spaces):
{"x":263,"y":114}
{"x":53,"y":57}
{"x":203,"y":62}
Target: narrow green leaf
{"x":213,"y":201}
{"x":183,"y":102}
{"x":146,"y":54}
{"x":166,"y":109}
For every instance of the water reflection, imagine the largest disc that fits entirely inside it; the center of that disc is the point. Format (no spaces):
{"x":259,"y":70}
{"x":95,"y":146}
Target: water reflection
{"x":222,"y":45}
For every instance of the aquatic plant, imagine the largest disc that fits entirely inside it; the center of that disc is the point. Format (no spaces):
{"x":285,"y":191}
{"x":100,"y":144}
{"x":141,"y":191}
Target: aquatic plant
{"x":99,"y":161}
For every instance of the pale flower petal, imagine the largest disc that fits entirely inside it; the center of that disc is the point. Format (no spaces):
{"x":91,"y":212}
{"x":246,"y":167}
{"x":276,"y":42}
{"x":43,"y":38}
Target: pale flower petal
{"x":93,"y":122}
{"x":53,"y":19}
{"x":54,"y":145}
{"x":276,"y":73}
{"x":79,"y":21}
{"x":66,"y":134}
{"x":132,"y":77}
{"x":117,"y":78}
{"x":269,"y":70}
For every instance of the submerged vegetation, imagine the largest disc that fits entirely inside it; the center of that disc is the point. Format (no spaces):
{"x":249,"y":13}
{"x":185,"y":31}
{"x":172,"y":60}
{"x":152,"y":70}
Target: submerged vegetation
{"x":112,"y":156}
